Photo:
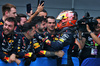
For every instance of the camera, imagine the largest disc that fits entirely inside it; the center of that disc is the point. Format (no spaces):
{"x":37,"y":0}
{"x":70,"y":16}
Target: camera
{"x":87,"y":20}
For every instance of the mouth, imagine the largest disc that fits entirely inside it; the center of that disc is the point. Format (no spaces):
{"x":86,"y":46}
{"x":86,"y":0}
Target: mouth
{"x":6,"y":31}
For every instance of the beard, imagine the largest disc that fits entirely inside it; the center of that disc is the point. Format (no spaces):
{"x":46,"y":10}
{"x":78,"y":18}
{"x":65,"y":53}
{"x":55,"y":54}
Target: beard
{"x":7,"y":32}
{"x":41,"y":29}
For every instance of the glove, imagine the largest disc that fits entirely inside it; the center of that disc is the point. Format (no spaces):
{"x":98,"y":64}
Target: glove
{"x":33,"y":57}
{"x":27,"y":62}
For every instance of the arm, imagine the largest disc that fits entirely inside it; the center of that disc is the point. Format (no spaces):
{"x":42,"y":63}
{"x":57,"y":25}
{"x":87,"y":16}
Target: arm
{"x":41,"y":52}
{"x":12,"y":58}
{"x":95,"y":38}
{"x":59,"y":53}
{"x":39,"y":9}
{"x":64,"y":40}
{"x":80,"y":41}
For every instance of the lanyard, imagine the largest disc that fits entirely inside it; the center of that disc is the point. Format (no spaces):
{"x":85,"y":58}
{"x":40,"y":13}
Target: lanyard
{"x":95,"y":44}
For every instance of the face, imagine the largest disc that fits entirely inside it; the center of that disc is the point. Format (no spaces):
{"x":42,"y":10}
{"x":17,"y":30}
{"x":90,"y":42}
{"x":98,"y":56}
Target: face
{"x":32,"y":32}
{"x":43,"y":14}
{"x":42,"y":26}
{"x":12,"y":13}
{"x":51,"y":23}
{"x":8,"y":27}
{"x":98,"y":25}
{"x":23,"y":21}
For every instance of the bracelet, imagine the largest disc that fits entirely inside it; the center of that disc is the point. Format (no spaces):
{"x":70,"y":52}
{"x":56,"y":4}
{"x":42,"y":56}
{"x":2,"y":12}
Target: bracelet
{"x":90,"y":32}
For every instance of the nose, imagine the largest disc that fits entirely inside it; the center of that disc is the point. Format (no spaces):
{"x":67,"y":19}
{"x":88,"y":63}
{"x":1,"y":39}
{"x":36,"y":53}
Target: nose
{"x":6,"y":26}
{"x":15,"y":14}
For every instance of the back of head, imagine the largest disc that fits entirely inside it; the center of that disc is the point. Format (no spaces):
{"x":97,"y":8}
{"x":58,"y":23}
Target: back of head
{"x":44,"y":11}
{"x":26,"y":27}
{"x":7,"y":7}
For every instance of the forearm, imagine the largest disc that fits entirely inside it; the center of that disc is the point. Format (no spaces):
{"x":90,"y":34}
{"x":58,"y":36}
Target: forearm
{"x":80,"y":42}
{"x":95,"y":38}
{"x":48,"y":53}
{"x":31,"y":17}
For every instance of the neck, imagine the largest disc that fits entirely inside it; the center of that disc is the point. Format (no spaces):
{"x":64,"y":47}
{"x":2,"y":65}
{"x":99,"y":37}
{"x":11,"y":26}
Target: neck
{"x":51,"y":31}
{"x":3,"y":18}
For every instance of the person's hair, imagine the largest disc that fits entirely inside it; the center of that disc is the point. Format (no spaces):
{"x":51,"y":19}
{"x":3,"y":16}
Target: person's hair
{"x":11,"y":19}
{"x":38,"y":20}
{"x":7,"y":7}
{"x":26,"y":27}
{"x":44,"y":11}
{"x":97,"y":17}
{"x":18,"y":17}
{"x":51,"y":17}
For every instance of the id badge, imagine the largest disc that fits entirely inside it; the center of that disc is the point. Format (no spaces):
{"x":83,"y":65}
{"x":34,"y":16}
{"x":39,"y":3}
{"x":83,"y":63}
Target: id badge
{"x":93,"y":51}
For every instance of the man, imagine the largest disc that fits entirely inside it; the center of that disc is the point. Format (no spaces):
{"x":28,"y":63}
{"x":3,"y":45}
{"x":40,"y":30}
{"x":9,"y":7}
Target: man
{"x":30,"y":46}
{"x":40,"y":27}
{"x":67,"y":21}
{"x":43,"y":13}
{"x":9,"y":41}
{"x":21,"y":19}
{"x":90,"y":42}
{"x":8,"y":10}
{"x":26,"y":49}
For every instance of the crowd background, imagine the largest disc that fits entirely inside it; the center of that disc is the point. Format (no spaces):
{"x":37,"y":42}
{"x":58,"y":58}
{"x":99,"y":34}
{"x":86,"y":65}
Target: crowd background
{"x":50,"y":43}
{"x":54,"y":7}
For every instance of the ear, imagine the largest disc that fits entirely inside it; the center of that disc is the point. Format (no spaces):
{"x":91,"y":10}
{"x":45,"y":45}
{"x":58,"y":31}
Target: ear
{"x":37,"y":25}
{"x":15,"y":28}
{"x":18,"y":23}
{"x":6,"y":13}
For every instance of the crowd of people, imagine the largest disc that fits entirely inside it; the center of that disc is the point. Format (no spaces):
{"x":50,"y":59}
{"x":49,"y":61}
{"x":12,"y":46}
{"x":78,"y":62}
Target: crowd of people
{"x":42,"y":36}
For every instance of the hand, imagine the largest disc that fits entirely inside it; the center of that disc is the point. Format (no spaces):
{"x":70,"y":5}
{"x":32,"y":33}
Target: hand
{"x":31,"y":12}
{"x":12,"y":58}
{"x":88,"y":29}
{"x":59,"y":53}
{"x":40,"y":7}
{"x":33,"y":57}
{"x":17,"y":61}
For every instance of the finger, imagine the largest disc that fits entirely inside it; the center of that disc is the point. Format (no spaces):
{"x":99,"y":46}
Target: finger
{"x":42,"y":4}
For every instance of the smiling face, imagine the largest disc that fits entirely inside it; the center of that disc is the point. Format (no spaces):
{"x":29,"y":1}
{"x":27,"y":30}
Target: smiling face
{"x":12,"y":13}
{"x":8,"y":27}
{"x":23,"y":21}
{"x":51,"y":23}
{"x":98,"y":25}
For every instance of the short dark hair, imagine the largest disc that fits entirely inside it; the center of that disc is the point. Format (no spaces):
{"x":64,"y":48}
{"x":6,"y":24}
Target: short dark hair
{"x":11,"y":19}
{"x":26,"y":27}
{"x":18,"y":17}
{"x":44,"y":11}
{"x":7,"y":7}
{"x":52,"y":17}
{"x":97,"y":17}
{"x":38,"y":20}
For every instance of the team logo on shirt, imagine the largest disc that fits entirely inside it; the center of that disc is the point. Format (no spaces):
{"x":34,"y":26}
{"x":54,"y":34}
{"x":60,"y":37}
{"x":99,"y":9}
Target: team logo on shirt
{"x":1,"y":23}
